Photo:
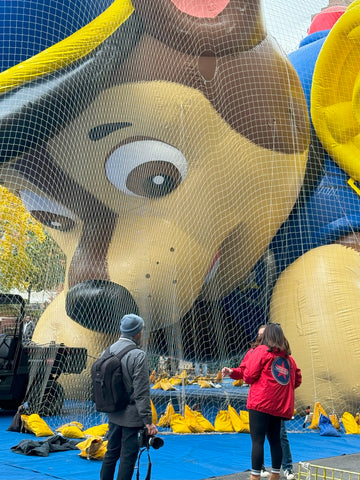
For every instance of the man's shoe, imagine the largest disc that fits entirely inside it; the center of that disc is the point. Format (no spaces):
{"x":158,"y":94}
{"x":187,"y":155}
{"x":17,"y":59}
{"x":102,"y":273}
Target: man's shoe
{"x":289,"y":475}
{"x":264,"y":473}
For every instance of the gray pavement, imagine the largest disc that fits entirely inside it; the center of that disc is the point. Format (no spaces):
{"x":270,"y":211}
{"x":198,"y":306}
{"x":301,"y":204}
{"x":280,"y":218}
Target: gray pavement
{"x":346,"y":463}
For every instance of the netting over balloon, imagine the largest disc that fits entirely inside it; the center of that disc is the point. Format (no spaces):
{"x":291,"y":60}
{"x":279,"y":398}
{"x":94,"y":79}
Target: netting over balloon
{"x":196,"y":164}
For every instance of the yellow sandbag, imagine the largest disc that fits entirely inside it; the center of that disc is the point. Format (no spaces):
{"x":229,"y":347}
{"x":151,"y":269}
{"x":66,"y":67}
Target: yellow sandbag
{"x":97,"y":430}
{"x":244,"y":416}
{"x":71,"y":431}
{"x":237,"y":421}
{"x":93,"y":448}
{"x":204,"y":422}
{"x":204,"y":384}
{"x":350,"y":424}
{"x":335,"y":421}
{"x":191,"y":421}
{"x":223,"y":422}
{"x":157,"y":386}
{"x":240,"y":421}
{"x":316,"y":415}
{"x":178,"y":424}
{"x":24,"y":418}
{"x":238,"y":383}
{"x":154,"y":413}
{"x":71,"y":424}
{"x":176,"y":381}
{"x":184,"y":377}
{"x":219,"y":377}
{"x":34,"y":424}
{"x":100,"y":452}
{"x":166,"y":385}
{"x":152,"y":377}
{"x":165,"y":419}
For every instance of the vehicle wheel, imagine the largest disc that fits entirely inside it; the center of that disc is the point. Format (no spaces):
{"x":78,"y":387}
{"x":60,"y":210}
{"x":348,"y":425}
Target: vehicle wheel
{"x":53,"y":399}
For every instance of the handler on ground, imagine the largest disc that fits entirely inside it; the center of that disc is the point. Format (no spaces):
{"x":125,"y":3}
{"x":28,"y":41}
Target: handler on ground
{"x":125,"y":424}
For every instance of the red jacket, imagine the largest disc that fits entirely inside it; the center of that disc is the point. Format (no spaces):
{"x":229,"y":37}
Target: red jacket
{"x":272,"y":377}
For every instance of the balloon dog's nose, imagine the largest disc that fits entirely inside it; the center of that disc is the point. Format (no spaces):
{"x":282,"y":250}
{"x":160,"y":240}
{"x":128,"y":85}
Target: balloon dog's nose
{"x":99,"y":305}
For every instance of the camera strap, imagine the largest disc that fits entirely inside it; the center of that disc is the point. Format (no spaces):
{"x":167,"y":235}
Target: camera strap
{"x":148,"y":473}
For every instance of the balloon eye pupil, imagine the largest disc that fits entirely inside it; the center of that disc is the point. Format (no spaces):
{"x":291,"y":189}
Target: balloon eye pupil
{"x":158,"y":186}
{"x":158,"y":179}
{"x":154,"y":179}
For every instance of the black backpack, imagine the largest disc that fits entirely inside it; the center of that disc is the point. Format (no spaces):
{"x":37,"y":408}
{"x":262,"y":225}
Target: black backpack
{"x":109,"y":393}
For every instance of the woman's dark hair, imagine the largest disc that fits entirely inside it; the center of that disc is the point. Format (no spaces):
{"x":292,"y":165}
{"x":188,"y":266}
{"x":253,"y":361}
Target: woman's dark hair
{"x":258,"y":339}
{"x":275,"y":339}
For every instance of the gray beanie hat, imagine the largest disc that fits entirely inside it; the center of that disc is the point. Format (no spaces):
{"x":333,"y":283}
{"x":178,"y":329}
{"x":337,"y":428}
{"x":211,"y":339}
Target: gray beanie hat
{"x":131,"y":325}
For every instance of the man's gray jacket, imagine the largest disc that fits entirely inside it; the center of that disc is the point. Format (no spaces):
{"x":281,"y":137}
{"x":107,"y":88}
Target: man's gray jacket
{"x":136,"y":379}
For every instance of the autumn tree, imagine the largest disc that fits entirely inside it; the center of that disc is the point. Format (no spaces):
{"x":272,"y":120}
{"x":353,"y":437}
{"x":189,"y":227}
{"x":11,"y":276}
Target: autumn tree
{"x":29,"y":258}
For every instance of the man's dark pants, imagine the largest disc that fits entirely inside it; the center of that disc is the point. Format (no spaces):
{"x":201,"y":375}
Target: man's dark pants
{"x":123,"y":444}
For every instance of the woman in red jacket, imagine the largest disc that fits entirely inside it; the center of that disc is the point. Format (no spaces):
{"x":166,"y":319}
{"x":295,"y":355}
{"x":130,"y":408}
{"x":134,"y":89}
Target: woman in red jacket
{"x":273,"y":376}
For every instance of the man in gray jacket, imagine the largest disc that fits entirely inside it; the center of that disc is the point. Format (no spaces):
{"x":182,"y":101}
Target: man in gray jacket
{"x":125,"y":424}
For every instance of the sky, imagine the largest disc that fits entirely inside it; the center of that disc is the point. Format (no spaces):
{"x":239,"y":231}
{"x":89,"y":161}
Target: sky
{"x":288,"y":20}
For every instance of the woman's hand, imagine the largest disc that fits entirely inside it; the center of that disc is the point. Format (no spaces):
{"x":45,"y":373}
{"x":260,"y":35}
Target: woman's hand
{"x":226,"y":371}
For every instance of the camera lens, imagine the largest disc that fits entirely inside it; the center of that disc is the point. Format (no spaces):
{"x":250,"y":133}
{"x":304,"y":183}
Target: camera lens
{"x":156,"y":442}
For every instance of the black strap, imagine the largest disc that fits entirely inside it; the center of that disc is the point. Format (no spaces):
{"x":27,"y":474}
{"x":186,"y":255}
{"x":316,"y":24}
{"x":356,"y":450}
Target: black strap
{"x":122,"y":352}
{"x":120,"y":355}
{"x":148,"y":473}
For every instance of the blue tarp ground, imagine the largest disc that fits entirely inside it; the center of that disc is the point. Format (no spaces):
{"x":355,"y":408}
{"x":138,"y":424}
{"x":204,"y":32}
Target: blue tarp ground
{"x":183,"y":457}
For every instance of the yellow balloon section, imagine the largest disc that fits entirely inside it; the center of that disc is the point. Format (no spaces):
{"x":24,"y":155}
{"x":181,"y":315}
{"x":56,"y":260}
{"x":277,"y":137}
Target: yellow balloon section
{"x":316,"y":300}
{"x":335,"y":97}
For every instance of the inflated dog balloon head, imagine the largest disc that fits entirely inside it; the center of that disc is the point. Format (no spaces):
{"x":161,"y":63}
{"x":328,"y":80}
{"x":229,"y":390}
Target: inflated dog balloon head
{"x":162,"y":161}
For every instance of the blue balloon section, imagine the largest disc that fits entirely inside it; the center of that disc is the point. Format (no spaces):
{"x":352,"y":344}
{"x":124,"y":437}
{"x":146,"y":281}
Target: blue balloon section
{"x":27,"y":27}
{"x":323,"y":213}
{"x":332,"y":209}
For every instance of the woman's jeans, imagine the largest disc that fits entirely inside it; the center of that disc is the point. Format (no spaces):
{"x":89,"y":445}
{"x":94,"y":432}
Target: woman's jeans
{"x":287,"y":463}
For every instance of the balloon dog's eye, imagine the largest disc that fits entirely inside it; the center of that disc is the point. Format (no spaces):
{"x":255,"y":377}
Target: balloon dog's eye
{"x":49,"y":213}
{"x":146,"y":168}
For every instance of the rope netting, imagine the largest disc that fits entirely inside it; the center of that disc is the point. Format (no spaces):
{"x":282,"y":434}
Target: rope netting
{"x":192,"y":162}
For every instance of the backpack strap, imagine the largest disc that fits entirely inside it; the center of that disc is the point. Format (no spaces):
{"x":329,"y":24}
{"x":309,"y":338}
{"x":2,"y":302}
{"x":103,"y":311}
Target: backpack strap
{"x":120,"y":355}
{"x":124,"y":351}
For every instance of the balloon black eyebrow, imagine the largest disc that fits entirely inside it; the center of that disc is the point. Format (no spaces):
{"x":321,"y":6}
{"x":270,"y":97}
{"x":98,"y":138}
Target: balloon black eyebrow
{"x":101,"y":131}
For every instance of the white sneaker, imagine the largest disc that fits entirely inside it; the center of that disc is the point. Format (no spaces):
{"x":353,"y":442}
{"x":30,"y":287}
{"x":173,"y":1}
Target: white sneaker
{"x":289,"y":475}
{"x":264,"y":473}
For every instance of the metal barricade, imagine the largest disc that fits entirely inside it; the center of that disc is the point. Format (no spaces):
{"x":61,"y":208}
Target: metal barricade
{"x":308,"y":471}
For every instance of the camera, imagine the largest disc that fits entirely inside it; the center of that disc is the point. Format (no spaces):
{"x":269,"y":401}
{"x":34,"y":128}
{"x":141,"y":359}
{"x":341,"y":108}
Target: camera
{"x":146,"y":441}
